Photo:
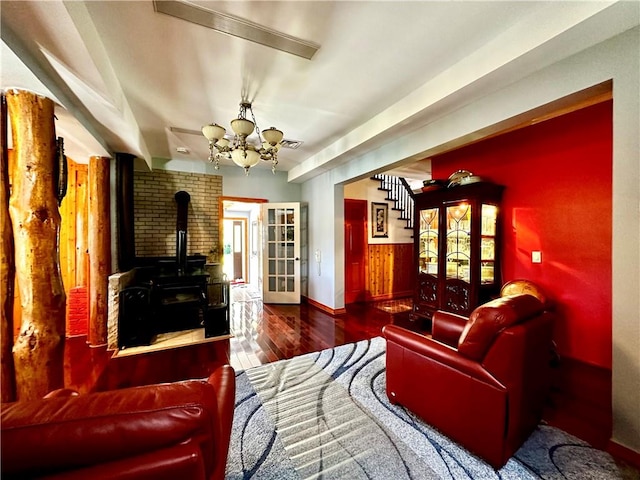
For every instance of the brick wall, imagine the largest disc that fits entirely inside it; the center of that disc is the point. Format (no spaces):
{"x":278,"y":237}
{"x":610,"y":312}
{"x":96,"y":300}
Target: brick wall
{"x":155,"y":212}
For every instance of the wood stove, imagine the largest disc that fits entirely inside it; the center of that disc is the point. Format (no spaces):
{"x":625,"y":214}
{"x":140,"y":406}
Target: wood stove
{"x":168,"y":293}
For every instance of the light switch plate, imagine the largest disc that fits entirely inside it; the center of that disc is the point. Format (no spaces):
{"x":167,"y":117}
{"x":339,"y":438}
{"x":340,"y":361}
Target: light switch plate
{"x":536,"y":257}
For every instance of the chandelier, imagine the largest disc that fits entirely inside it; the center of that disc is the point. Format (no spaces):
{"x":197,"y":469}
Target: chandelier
{"x":243,"y":153}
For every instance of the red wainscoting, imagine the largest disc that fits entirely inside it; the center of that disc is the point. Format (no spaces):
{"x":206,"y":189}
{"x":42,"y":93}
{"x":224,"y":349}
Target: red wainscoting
{"x":558,"y":200}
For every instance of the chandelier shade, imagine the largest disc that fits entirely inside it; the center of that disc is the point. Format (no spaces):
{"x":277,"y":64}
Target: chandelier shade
{"x":242,"y":152}
{"x":213,"y":132}
{"x":245,"y":158}
{"x":272,"y":135}
{"x":242,"y":126}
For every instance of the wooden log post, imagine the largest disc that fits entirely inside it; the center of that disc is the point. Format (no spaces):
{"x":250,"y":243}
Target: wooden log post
{"x":38,"y":352}
{"x":81,"y":245}
{"x":7,"y":271}
{"x":125,"y":212}
{"x":99,"y":249}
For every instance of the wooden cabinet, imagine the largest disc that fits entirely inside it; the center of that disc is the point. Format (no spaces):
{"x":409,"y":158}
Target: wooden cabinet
{"x":456,"y":248}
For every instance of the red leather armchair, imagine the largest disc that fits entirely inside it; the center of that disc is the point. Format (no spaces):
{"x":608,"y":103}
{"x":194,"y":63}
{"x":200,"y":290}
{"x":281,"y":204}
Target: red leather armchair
{"x":165,"y":431}
{"x":481,"y":381}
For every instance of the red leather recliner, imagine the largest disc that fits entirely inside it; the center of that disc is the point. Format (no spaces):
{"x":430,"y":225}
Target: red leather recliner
{"x":164,"y":431}
{"x":481,"y":381}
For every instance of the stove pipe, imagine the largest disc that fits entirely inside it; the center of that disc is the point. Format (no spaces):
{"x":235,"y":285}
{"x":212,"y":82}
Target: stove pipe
{"x":182,"y":199}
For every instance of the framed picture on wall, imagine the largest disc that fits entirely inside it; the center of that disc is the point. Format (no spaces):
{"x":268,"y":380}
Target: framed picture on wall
{"x":379,"y":220}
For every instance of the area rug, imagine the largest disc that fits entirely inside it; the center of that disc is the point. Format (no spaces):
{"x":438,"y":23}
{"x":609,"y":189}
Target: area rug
{"x":245,"y":293}
{"x":326,"y":415}
{"x":395,"y":306}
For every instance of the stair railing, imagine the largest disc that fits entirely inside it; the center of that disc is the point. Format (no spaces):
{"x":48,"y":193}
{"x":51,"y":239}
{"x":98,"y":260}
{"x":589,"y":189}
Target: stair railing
{"x":399,"y":192}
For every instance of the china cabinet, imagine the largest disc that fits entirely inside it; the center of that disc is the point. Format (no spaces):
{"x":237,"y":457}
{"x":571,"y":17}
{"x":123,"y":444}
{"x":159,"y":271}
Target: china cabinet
{"x":456,"y":248}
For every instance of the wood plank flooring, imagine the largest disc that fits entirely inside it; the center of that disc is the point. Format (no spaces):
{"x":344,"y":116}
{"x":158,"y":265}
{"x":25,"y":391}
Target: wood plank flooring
{"x":267,"y":333}
{"x":260,"y":334}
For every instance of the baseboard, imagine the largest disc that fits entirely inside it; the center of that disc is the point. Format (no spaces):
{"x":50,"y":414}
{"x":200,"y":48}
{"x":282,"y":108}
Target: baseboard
{"x":624,"y":453}
{"x":342,"y":311}
{"x":324,"y":308}
{"x":75,"y":335}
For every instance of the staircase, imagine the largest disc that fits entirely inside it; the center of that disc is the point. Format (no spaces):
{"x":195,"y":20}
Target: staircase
{"x":398,"y":192}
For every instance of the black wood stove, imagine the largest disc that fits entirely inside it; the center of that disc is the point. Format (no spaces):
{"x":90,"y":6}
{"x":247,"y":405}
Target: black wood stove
{"x":169,"y":293}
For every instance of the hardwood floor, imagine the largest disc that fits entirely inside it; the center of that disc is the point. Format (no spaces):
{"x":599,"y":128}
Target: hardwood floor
{"x":267,"y":333}
{"x":260,"y":334}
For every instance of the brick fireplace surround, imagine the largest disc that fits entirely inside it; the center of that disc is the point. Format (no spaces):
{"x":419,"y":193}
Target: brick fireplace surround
{"x":155,"y":225}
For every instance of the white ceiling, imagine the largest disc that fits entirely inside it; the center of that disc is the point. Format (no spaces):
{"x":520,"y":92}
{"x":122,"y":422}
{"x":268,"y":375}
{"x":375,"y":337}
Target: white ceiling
{"x":124,"y":75}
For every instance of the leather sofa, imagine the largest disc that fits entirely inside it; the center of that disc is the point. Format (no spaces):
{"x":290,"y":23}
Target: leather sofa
{"x":164,"y":431}
{"x":481,"y":381}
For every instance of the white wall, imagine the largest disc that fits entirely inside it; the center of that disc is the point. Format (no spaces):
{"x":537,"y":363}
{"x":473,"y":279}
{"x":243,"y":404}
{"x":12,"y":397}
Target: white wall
{"x":616,"y":59}
{"x":255,"y":255}
{"x":325,"y":231}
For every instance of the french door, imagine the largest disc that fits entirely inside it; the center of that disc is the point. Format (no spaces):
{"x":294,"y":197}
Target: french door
{"x":281,"y":256}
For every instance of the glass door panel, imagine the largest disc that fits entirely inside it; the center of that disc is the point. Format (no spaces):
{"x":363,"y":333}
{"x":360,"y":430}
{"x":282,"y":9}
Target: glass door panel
{"x":488,"y":218}
{"x":428,"y":242}
{"x":282,"y":262}
{"x":458,"y":249}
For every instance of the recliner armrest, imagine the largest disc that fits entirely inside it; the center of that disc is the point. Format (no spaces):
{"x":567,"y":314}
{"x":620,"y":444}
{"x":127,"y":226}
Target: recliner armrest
{"x":437,"y":352}
{"x":447,"y":327}
{"x":223,"y":380}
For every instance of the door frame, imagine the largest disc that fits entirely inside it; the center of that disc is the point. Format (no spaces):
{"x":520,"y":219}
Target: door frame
{"x":271,"y":237}
{"x":221,"y":217}
{"x":244,"y":247}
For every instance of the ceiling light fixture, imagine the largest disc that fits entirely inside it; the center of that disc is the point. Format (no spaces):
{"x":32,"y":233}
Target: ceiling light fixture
{"x":243,"y":153}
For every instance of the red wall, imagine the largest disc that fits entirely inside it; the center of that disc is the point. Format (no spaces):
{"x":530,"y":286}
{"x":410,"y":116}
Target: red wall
{"x":558,"y":200}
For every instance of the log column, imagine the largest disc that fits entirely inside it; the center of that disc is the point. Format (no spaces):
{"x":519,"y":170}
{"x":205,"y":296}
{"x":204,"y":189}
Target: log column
{"x":33,"y":208}
{"x":125,"y":211}
{"x":7,"y":271}
{"x":99,"y":249}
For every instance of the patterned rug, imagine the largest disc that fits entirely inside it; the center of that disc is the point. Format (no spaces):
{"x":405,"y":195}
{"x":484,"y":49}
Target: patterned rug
{"x":326,"y":415}
{"x":395,"y":306}
{"x":245,"y":293}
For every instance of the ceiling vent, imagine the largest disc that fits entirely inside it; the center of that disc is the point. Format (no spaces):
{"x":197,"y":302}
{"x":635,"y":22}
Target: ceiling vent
{"x":238,"y":27}
{"x":292,"y":144}
{"x":185,"y":130}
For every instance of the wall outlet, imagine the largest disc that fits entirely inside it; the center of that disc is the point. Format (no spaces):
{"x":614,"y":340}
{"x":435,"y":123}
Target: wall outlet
{"x":536,"y":257}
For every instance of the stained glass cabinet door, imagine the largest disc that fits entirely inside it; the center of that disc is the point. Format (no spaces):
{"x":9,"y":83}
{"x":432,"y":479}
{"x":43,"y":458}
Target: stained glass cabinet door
{"x":456,"y":248}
